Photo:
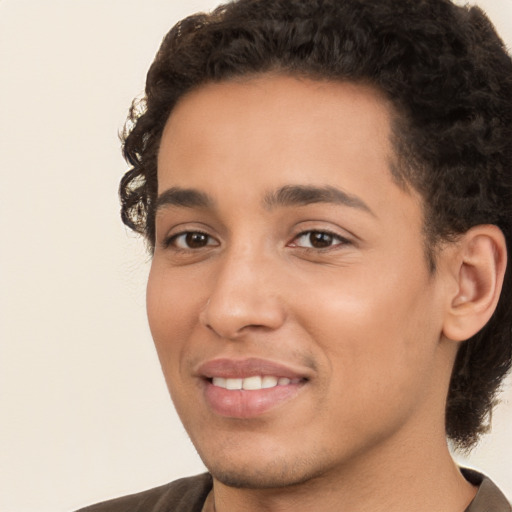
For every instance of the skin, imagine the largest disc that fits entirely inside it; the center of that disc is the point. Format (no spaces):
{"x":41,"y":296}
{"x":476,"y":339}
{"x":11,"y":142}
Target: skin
{"x":361,"y":319}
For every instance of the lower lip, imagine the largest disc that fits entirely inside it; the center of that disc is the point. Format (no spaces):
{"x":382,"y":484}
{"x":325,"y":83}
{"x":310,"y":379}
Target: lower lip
{"x":247,"y":404}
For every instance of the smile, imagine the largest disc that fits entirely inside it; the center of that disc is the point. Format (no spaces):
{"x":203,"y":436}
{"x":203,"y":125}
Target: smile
{"x":250,"y":387}
{"x":253,"y":383}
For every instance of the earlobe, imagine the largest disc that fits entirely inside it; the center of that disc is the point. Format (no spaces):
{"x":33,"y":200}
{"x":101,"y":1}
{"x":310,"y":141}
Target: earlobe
{"x":481,"y":264}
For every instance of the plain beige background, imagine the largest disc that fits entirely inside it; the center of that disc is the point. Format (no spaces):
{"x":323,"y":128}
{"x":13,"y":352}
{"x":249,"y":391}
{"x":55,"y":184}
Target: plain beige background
{"x":84,"y":410}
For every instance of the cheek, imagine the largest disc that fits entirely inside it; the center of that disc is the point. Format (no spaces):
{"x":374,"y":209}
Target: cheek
{"x":381,"y":350}
{"x":171,"y":309}
{"x":373,"y":324}
{"x":171,"y":313}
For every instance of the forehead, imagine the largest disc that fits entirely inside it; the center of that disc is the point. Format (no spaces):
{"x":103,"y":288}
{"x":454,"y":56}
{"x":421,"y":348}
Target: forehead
{"x":284,"y":122}
{"x":284,"y":90}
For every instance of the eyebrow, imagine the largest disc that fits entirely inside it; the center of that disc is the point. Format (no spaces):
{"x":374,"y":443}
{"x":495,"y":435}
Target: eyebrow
{"x":286,"y":196}
{"x":302,"y":195}
{"x":184,"y":197}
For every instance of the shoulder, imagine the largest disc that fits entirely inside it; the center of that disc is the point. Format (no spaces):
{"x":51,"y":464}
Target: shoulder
{"x":488,"y":497}
{"x":184,"y":495}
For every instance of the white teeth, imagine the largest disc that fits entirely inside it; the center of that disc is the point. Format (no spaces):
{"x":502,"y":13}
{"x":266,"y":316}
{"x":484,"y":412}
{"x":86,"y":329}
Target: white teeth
{"x":219,"y":381}
{"x":268,"y":382}
{"x":253,"y":383}
{"x":234,"y":383}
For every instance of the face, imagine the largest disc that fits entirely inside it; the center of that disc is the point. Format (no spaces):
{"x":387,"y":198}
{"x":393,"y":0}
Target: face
{"x":289,"y":296}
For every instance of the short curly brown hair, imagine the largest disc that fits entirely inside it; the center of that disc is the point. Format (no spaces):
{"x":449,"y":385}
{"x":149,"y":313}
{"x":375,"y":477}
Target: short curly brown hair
{"x":450,"y":79}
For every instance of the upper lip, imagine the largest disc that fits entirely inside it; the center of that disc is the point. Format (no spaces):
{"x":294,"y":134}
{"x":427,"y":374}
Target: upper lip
{"x":241,"y":368}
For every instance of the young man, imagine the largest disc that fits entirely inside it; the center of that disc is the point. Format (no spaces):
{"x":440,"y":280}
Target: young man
{"x":326,"y":188}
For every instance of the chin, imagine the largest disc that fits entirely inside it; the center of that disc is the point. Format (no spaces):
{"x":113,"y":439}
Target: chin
{"x":274,"y":474}
{"x":258,"y":479}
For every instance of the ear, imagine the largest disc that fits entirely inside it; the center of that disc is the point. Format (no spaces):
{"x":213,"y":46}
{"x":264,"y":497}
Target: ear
{"x":479,"y":270}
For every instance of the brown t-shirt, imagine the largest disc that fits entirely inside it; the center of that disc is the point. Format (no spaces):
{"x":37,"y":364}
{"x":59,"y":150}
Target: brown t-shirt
{"x":190,"y":495}
{"x":488,"y":498}
{"x":184,"y":495}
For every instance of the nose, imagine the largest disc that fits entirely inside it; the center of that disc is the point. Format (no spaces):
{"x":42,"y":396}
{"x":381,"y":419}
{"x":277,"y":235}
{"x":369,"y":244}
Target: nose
{"x":244,"y":297}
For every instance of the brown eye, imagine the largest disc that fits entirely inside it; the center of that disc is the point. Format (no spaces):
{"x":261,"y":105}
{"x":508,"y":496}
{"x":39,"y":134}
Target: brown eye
{"x":318,"y":240}
{"x":196,"y":240}
{"x":192,"y":240}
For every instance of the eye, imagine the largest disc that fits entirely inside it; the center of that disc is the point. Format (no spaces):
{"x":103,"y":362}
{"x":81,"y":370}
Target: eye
{"x":191,"y":240}
{"x":318,"y":240}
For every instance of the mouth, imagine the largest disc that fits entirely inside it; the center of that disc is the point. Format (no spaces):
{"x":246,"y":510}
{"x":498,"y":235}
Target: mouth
{"x":249,"y":388}
{"x":253,"y":383}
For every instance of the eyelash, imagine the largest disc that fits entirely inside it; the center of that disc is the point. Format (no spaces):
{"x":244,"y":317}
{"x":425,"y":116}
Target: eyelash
{"x":172,"y":240}
{"x":341,"y":241}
